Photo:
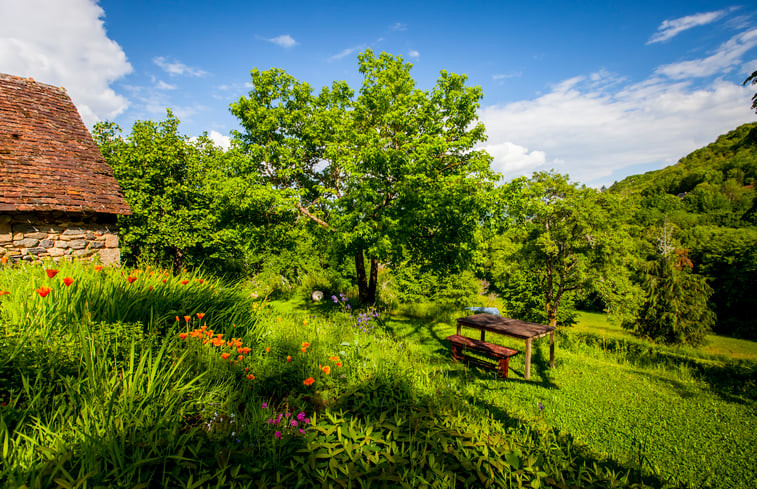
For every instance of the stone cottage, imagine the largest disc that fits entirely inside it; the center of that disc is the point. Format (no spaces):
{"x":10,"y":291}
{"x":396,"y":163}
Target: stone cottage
{"x":58,"y":196}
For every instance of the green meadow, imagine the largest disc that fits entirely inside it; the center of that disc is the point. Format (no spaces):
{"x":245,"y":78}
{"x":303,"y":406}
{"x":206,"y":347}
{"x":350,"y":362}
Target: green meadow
{"x":120,"y":379}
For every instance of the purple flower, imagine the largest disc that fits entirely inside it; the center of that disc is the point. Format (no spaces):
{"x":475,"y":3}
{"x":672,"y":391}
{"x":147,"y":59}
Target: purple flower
{"x":294,"y":422}
{"x":301,"y":416}
{"x":277,"y":435}
{"x":541,"y":406}
{"x":348,"y":306}
{"x":264,"y":405}
{"x":306,"y":420}
{"x":269,"y":421}
{"x":333,"y":298}
{"x":302,"y":431}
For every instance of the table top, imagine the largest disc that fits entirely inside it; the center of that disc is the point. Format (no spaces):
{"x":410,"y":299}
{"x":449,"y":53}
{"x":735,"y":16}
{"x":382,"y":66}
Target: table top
{"x":505,"y":326}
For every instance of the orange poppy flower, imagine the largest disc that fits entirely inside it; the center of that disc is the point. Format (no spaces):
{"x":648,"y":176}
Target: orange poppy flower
{"x":225,"y":355}
{"x":267,"y":349}
{"x":289,"y":359}
{"x":200,"y":315}
{"x":164,"y":280}
{"x":303,"y":350}
{"x":4,"y":292}
{"x":177,"y":318}
{"x":305,"y":345}
{"x":4,"y":259}
{"x":183,"y":336}
{"x":131,"y":279}
{"x":251,"y":377}
{"x":187,"y":318}
{"x":326,"y":370}
{"x":184,"y":282}
{"x":334,"y":359}
{"x":218,"y":342}
{"x":43,"y":291}
{"x":339,"y":364}
{"x":308,"y":381}
{"x":51,"y":273}
{"x":240,"y":357}
{"x":98,"y":268}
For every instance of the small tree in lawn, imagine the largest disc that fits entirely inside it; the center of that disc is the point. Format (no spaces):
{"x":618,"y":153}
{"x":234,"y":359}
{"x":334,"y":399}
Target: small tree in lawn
{"x":675,"y":310}
{"x":391,"y":174}
{"x":566,"y":238}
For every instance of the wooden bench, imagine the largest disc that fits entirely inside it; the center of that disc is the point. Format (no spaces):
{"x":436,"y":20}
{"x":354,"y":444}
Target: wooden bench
{"x":500,"y":353}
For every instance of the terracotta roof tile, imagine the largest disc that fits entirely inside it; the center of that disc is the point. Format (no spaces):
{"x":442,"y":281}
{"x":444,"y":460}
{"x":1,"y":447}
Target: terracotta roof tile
{"x":48,"y":160}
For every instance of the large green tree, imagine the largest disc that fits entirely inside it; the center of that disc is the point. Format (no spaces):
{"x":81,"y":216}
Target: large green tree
{"x":564,"y":239}
{"x":392,"y":173}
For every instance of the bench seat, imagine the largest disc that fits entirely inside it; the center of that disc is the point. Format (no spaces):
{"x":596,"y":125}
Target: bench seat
{"x":497,"y":352}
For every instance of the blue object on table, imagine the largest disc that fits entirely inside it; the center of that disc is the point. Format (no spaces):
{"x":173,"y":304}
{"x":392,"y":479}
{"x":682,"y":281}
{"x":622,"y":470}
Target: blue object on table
{"x":488,"y":310}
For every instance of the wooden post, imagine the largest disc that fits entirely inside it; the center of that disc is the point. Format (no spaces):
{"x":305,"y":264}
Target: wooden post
{"x":528,"y":358}
{"x":458,"y":328}
{"x":552,"y":349}
{"x":483,"y":332}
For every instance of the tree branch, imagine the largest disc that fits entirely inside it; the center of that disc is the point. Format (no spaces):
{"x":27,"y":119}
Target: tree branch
{"x":314,"y":218}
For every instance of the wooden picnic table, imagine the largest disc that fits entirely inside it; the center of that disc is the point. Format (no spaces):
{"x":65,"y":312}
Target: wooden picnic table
{"x":514,"y":328}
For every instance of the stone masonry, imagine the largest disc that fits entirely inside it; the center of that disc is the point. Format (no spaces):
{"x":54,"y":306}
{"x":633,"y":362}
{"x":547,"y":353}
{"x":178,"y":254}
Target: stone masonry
{"x":34,"y":236}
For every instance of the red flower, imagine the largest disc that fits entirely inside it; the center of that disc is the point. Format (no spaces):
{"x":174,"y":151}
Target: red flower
{"x":289,"y":359}
{"x":225,"y":355}
{"x":4,"y":292}
{"x":308,"y":381}
{"x":326,"y":370}
{"x":183,"y":336}
{"x":131,"y":279}
{"x":251,"y":377}
{"x":200,"y":315}
{"x":68,"y":281}
{"x":51,"y":273}
{"x":164,"y":280}
{"x":184,"y":282}
{"x":98,"y":268}
{"x":43,"y":291}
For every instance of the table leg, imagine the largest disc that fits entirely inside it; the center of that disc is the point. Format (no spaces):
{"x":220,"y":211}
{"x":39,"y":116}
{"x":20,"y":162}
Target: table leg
{"x":458,"y":328}
{"x":482,"y":335}
{"x":552,"y":349}
{"x":528,"y":358}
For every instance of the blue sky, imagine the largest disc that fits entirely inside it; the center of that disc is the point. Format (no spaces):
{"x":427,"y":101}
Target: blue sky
{"x":598,"y":90}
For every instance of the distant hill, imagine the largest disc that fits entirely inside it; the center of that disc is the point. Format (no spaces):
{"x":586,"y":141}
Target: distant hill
{"x":733,"y":156}
{"x":709,"y":197}
{"x":714,"y":185}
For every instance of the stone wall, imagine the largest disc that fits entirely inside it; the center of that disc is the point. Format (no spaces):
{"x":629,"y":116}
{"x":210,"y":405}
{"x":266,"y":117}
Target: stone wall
{"x":58,"y":235}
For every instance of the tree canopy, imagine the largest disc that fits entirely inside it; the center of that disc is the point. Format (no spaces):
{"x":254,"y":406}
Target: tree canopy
{"x":391,"y":173}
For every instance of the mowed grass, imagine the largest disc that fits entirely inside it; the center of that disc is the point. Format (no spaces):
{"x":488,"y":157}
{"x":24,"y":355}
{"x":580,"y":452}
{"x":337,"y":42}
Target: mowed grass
{"x":678,"y":413}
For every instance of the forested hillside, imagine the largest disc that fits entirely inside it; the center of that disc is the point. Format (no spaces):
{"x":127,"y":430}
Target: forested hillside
{"x":708,"y":199}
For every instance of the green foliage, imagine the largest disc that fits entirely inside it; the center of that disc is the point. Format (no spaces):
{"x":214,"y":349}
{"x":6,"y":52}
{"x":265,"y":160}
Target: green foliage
{"x":565,"y":239}
{"x":675,"y":310}
{"x":390,"y":175}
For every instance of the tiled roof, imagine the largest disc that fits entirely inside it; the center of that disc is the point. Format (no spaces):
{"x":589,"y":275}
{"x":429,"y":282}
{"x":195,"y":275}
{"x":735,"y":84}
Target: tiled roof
{"x":48,"y":160}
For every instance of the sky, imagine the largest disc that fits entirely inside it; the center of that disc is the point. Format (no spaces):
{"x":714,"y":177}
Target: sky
{"x":597,"y":90}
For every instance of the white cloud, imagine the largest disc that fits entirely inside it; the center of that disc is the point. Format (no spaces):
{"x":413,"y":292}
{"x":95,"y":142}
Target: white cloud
{"x":727,"y":56}
{"x":175,"y":68}
{"x":64,"y":44}
{"x":413,"y":54}
{"x":345,"y":52}
{"x":220,"y":140}
{"x":671,"y":28}
{"x":161,"y":85}
{"x":505,"y":76}
{"x":285,"y":41}
{"x":398,"y":26}
{"x":594,"y":133}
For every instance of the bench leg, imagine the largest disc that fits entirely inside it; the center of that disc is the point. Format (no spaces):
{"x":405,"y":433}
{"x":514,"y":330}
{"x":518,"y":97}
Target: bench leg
{"x":504,"y":366}
{"x":528,"y":359}
{"x":455,"y":353}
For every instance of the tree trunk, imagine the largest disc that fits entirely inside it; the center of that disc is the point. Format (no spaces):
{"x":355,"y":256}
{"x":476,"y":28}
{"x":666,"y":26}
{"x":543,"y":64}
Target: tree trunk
{"x":362,"y":282}
{"x":366,"y":286}
{"x":372,"y":281}
{"x":551,"y":315}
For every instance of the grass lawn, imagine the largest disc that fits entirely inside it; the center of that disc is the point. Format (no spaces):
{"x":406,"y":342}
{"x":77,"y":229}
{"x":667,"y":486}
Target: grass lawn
{"x":124,"y":378}
{"x":663,"y":410}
